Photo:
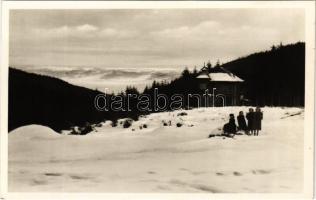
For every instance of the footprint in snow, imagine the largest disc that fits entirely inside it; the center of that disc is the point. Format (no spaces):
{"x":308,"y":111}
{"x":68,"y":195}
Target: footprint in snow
{"x":237,"y":174}
{"x":219,"y":174}
{"x":52,"y":174}
{"x":261,"y":171}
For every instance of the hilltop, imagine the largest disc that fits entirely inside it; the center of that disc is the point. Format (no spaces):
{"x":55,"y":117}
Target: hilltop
{"x":275,"y":77}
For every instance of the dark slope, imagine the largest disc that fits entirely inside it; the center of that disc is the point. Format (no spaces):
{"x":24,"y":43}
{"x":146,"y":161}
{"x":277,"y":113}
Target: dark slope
{"x":36,"y":99}
{"x":274,"y":77}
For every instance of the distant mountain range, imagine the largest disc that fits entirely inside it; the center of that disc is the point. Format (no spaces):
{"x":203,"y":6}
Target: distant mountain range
{"x":114,"y":78}
{"x":274,"y":78}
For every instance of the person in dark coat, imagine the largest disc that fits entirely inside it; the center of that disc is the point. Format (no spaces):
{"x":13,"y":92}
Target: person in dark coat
{"x":257,"y":118}
{"x":242,"y":125}
{"x":230,"y":128}
{"x":232,"y":117}
{"x":250,"y":119}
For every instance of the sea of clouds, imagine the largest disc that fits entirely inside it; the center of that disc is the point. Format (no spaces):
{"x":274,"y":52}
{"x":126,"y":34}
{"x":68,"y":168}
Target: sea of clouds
{"x":115,"y":79}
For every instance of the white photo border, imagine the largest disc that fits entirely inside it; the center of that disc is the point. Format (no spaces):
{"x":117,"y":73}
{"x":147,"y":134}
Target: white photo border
{"x":309,"y":119}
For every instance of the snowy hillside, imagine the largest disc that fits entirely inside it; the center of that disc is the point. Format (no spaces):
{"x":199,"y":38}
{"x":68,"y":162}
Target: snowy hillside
{"x":151,"y":156}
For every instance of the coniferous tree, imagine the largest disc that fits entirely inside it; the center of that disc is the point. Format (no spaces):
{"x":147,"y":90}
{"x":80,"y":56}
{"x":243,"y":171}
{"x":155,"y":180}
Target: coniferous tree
{"x":209,"y":66}
{"x":217,"y":64}
{"x":185,"y":73}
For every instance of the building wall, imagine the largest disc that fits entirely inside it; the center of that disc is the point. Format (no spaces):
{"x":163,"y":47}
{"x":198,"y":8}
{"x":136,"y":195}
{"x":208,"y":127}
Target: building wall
{"x":227,"y":91}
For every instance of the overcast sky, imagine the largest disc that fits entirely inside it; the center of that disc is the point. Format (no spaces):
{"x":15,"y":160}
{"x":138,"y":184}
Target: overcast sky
{"x":147,"y":38}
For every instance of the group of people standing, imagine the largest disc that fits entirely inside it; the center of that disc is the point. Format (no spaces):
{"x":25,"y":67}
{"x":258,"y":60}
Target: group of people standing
{"x":253,"y":126}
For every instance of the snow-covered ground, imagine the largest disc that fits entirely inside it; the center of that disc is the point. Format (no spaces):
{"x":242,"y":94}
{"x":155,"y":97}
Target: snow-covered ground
{"x":162,"y":158}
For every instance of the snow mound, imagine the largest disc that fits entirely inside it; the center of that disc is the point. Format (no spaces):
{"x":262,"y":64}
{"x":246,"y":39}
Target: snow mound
{"x":33,"y":131}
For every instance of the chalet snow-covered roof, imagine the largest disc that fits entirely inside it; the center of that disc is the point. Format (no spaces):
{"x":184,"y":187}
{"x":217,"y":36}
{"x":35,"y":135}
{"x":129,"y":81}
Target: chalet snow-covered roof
{"x":223,"y":76}
{"x":203,"y":76}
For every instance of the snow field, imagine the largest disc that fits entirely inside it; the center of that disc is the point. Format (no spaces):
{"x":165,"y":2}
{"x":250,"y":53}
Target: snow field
{"x":163,"y":158}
